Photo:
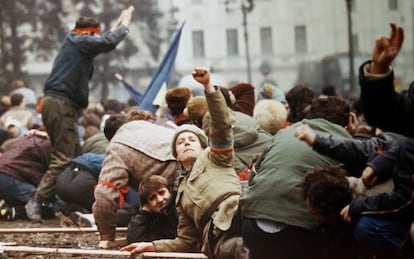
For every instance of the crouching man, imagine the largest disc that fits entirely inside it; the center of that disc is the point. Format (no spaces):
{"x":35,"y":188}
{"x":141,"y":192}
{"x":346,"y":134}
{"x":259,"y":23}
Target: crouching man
{"x":209,"y":189}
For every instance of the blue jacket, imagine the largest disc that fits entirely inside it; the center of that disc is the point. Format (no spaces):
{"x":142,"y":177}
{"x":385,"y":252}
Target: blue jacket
{"x":73,"y":65}
{"x":91,"y":161}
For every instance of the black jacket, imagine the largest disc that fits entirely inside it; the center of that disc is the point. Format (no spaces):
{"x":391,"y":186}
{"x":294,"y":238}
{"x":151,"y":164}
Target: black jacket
{"x":356,"y":152}
{"x":148,"y":226}
{"x":398,"y":204}
{"x":383,"y":107}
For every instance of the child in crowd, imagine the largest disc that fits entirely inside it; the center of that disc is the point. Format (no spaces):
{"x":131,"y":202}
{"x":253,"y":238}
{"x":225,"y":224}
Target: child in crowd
{"x":157,"y":217}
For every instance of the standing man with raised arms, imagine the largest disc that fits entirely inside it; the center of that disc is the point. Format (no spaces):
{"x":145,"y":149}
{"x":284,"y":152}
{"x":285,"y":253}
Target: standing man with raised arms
{"x":66,"y":93}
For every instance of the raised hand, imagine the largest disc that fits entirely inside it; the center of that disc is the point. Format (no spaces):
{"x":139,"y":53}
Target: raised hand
{"x":124,"y":18}
{"x":202,"y":75}
{"x":386,"y":49}
{"x":127,"y":16}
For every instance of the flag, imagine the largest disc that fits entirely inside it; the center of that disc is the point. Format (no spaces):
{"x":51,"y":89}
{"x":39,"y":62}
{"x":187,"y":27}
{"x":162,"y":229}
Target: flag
{"x":135,"y":94}
{"x":162,"y":75}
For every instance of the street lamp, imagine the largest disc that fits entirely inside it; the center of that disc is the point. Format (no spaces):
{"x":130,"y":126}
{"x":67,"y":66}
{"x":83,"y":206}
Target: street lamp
{"x":351,"y":50}
{"x":246,"y":7}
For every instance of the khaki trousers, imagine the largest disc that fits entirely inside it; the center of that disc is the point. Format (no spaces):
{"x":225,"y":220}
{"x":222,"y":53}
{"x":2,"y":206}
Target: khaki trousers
{"x":60,"y":119}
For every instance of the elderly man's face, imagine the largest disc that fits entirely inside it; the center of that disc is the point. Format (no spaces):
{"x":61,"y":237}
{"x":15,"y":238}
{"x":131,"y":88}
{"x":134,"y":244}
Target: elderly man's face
{"x":188,"y":147}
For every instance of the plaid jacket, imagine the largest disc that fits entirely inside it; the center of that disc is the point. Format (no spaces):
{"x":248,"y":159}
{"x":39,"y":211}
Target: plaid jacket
{"x":137,"y":150}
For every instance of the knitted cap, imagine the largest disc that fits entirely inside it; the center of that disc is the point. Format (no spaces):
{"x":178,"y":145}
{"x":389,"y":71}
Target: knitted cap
{"x":188,"y":128}
{"x":269,"y":91}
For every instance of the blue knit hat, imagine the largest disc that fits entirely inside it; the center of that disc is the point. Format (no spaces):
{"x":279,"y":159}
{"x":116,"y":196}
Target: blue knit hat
{"x":269,"y":91}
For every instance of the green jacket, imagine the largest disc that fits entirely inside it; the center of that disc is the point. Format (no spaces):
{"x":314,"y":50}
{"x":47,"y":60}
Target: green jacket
{"x":211,"y":177}
{"x":249,"y":139}
{"x":275,"y":193}
{"x":96,"y":144}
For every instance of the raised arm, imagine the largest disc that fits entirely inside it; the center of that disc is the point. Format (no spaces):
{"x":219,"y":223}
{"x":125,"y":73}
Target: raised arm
{"x":124,"y":18}
{"x":354,"y":153}
{"x":382,"y":105}
{"x":220,"y":131}
{"x":386,"y":49}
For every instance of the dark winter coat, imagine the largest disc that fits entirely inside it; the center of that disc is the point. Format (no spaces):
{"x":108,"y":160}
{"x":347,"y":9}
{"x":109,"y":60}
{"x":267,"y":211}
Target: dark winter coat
{"x":73,"y":66}
{"x":398,"y":204}
{"x":148,"y":226}
{"x":383,"y":107}
{"x":356,"y":152}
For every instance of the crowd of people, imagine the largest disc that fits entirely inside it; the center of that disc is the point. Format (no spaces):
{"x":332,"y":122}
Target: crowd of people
{"x":231,"y":173}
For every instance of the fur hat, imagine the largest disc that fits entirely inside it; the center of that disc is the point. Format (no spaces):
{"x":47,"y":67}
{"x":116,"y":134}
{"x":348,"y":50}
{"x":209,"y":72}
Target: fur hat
{"x":177,"y":97}
{"x":241,"y":89}
{"x":197,"y":108}
{"x":188,"y":128}
{"x":245,"y":98}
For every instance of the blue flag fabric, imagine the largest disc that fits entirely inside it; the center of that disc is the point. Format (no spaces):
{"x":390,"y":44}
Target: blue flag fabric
{"x":135,"y":94}
{"x":162,"y":75}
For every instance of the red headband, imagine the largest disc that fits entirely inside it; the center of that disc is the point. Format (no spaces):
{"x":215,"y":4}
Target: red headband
{"x":87,"y":30}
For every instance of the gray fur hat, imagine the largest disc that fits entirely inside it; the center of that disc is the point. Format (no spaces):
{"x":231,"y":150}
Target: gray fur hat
{"x":189,"y":128}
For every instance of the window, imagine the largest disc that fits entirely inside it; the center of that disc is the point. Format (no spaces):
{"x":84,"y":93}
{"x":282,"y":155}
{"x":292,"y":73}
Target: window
{"x":198,"y":44}
{"x":300,"y":39}
{"x":232,"y":42}
{"x":393,"y":5}
{"x":266,"y":40}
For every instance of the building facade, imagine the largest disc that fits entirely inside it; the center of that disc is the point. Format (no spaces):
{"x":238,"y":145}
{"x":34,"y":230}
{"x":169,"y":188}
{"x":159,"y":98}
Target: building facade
{"x":265,"y":41}
{"x":283,"y":33}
